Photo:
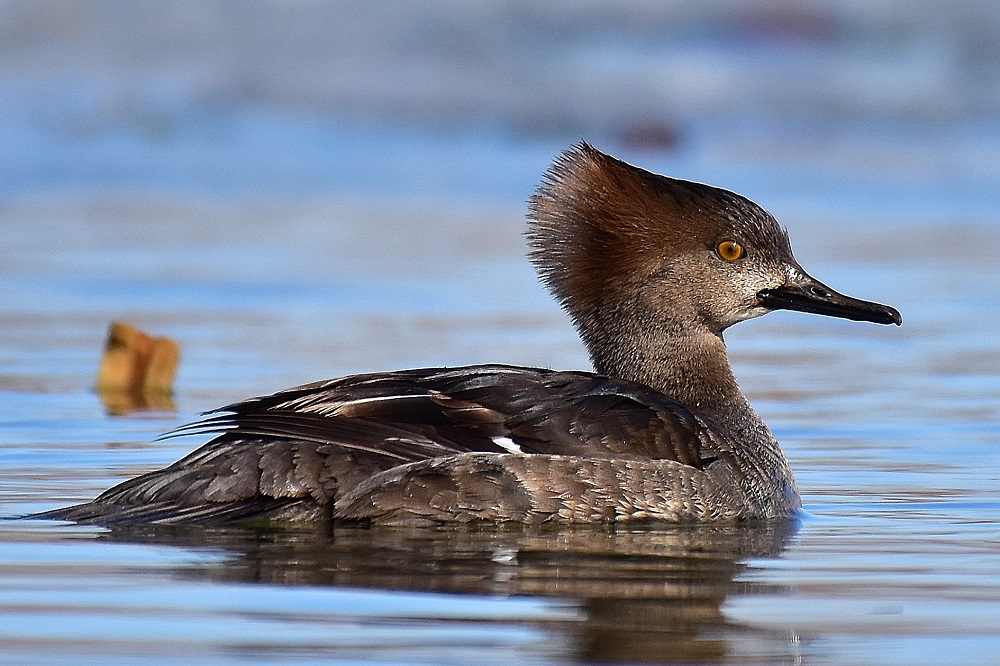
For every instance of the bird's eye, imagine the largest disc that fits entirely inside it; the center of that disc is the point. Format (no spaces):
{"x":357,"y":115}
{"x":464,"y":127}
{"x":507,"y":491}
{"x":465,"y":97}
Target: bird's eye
{"x":730,"y":250}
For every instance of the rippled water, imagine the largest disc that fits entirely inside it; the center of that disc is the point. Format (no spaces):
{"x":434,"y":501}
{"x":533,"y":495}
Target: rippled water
{"x":350,"y":199}
{"x":892,"y":433}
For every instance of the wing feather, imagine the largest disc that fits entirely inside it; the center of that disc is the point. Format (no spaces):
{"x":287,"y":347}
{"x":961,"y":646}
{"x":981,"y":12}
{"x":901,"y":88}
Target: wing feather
{"x":297,"y":451}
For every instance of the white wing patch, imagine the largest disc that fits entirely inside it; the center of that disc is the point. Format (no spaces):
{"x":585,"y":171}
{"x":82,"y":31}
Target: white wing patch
{"x":507,"y":444}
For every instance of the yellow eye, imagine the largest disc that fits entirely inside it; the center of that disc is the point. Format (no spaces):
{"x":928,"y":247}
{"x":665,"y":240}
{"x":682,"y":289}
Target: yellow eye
{"x":730,"y":250}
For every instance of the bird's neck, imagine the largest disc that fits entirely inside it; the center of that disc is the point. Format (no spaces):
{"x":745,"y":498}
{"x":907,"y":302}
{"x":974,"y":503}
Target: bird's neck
{"x":690,"y":366}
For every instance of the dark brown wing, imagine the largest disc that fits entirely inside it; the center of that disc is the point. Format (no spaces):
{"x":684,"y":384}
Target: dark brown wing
{"x":294,"y":452}
{"x":419,"y":414}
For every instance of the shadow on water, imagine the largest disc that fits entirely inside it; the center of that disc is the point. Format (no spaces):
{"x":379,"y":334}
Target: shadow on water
{"x":645,"y":593}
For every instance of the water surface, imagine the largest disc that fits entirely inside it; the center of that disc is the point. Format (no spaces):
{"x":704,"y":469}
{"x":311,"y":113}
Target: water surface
{"x":351,"y":199}
{"x":891,"y":433}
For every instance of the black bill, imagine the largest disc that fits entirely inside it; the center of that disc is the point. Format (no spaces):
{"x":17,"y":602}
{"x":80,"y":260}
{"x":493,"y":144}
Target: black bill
{"x":810,"y":295}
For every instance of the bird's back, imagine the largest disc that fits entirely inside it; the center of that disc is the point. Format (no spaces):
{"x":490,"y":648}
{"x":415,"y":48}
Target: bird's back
{"x":487,"y":442}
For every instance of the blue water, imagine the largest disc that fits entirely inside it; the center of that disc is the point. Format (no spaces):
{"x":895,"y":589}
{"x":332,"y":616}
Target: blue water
{"x":297,"y":191}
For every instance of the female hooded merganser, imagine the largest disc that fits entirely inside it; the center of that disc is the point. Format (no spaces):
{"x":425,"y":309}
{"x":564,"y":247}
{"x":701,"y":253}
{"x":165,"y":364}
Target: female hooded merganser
{"x":652,"y":270}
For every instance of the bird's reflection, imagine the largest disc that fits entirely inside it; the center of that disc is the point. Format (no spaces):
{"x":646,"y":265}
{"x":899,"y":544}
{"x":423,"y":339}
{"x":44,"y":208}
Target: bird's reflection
{"x":645,"y":593}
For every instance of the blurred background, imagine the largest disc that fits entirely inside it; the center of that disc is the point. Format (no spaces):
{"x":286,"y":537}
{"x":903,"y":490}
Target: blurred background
{"x":302,"y":97}
{"x":296,"y":189}
{"x":235,"y":159}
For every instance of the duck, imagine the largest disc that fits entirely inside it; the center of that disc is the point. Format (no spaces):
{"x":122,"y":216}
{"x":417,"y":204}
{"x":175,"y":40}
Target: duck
{"x":651,"y":270}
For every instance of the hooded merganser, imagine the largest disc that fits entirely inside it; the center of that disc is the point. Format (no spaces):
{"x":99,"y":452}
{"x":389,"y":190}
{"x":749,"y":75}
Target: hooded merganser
{"x":651,"y":270}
